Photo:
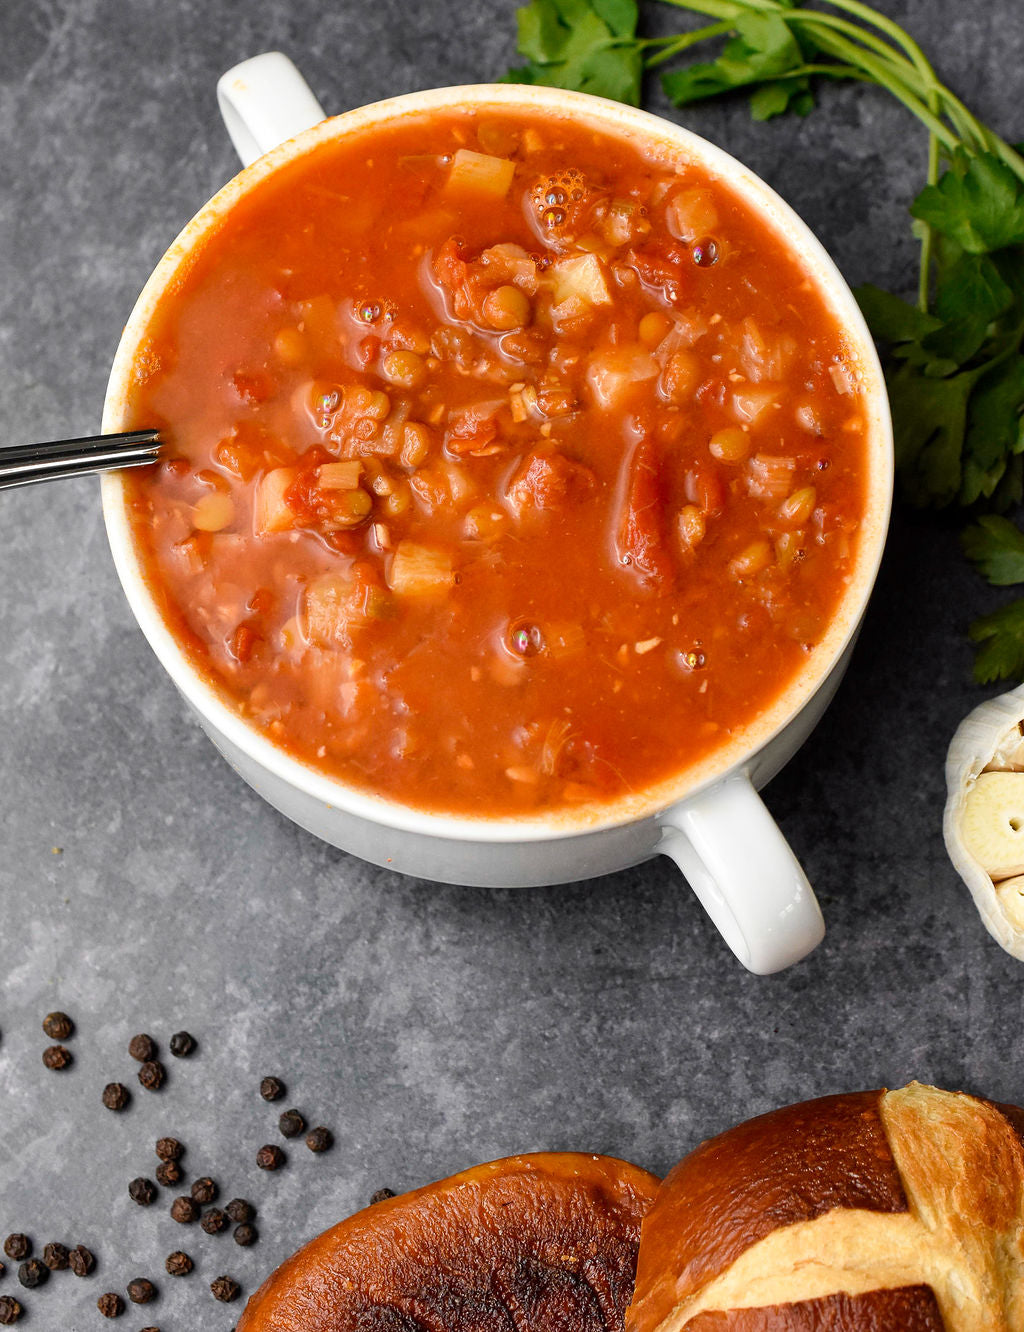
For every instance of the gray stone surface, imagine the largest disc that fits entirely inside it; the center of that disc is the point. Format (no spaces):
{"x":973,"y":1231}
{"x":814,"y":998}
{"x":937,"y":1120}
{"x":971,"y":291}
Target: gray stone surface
{"x":429,"y":1027}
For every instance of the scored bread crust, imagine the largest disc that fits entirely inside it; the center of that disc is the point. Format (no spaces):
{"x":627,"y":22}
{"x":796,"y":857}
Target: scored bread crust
{"x":540,"y":1243}
{"x":893,"y":1210}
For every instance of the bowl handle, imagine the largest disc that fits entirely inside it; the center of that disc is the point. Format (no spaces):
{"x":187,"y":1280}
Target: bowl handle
{"x":747,"y":879}
{"x":265,"y":101}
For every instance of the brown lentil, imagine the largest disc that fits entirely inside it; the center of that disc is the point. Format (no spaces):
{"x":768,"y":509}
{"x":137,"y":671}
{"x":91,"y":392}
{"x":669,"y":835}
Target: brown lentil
{"x":178,"y":1263}
{"x":151,"y":1075}
{"x":55,"y":1256}
{"x":58,"y":1026}
{"x":17,"y":1246}
{"x":142,"y":1047}
{"x":320,"y":1139}
{"x":169,"y":1149}
{"x":169,"y":1173}
{"x":272,"y":1089}
{"x":185,"y":1210}
{"x":81,"y":1261}
{"x":57,"y":1057}
{"x":182,"y":1044}
{"x":33,"y":1273}
{"x":141,"y":1290}
{"x":270,"y":1157}
{"x":10,"y":1310}
{"x":116,"y":1096}
{"x":225,"y":1289}
{"x":110,"y":1305}
{"x":204,"y":1190}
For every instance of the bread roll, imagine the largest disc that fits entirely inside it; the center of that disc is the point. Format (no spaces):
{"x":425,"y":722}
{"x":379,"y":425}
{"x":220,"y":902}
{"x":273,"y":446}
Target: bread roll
{"x":896,"y":1210}
{"x":546,"y":1243}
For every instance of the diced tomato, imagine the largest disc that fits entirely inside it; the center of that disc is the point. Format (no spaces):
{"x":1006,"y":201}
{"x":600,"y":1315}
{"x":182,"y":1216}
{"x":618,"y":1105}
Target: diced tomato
{"x":548,"y":481}
{"x":641,"y":537}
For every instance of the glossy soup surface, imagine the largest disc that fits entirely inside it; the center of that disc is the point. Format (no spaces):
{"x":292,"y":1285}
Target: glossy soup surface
{"x":511,"y":467}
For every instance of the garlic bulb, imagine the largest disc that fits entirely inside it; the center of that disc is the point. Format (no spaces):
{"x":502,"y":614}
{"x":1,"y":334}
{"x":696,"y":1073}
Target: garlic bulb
{"x":984,"y":818}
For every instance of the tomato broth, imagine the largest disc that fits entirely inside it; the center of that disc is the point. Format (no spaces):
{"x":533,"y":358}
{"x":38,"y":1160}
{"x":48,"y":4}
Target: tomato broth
{"x":512,"y":465}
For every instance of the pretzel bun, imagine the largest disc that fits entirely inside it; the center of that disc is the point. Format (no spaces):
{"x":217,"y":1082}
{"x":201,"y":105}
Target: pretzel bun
{"x":545,"y":1242}
{"x":884,"y":1211}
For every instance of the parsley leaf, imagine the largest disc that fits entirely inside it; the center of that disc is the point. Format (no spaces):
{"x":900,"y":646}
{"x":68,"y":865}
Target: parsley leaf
{"x":996,"y":547}
{"x":763,"y":51}
{"x":588,"y":45}
{"x":1001,"y":643}
{"x":995,"y":431}
{"x":978,"y":203}
{"x":929,"y":417}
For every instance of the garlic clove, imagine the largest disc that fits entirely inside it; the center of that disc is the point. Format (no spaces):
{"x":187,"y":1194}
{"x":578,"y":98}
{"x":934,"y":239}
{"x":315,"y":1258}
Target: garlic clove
{"x":992,"y":824}
{"x":977,"y":826}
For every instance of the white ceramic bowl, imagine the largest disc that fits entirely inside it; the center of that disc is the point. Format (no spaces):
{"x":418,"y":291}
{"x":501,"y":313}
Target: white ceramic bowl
{"x":710,"y":821}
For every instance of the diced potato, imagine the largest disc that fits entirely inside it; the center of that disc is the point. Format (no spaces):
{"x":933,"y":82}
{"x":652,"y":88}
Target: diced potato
{"x":749,"y":403}
{"x":613,"y":372}
{"x":691,"y":213}
{"x":418,"y":571}
{"x":770,"y":476}
{"x":327,"y":610}
{"x":273,"y":513}
{"x":581,"y":277}
{"x":481,"y":173}
{"x":339,"y":475}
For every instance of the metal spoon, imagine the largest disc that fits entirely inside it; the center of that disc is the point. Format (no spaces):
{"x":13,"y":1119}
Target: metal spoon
{"x":25,"y":464}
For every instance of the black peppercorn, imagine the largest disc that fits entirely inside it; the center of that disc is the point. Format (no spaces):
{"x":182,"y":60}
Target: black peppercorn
{"x":270,"y":1157}
{"x":115,"y":1097}
{"x":204,"y":1190}
{"x":57,"y":1057}
{"x":17,"y":1246}
{"x":225,"y":1289}
{"x":320,"y":1139}
{"x":245,"y":1235}
{"x":151,"y":1075}
{"x":272,"y":1089}
{"x":291,"y":1124}
{"x":3,"y":1269}
{"x":169,"y":1149}
{"x":10,"y":1310}
{"x":182,"y":1044}
{"x":240,"y":1210}
{"x":178,"y":1263}
{"x":81,"y":1261}
{"x":58,"y":1026}
{"x":55,"y":1256}
{"x":382,"y":1195}
{"x":169,"y":1173}
{"x":142,"y":1047}
{"x":110,"y":1305}
{"x":185,"y":1210}
{"x":142,"y":1191}
{"x":141,"y":1291}
{"x":214,"y":1221}
{"x":33,"y":1273}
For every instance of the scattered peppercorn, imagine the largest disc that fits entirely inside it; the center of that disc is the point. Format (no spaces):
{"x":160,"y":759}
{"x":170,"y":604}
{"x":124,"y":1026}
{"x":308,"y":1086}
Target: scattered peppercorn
{"x":142,"y":1190}
{"x":10,"y":1310}
{"x":33,"y":1273}
{"x":115,"y":1097}
{"x":185,"y":1210}
{"x":225,"y":1289}
{"x":240,"y":1210}
{"x":17,"y":1246}
{"x":169,"y":1173}
{"x":214,"y":1221}
{"x":141,"y":1290}
{"x":57,"y":1057}
{"x":320,"y":1139}
{"x":110,"y":1305}
{"x":270,"y":1157}
{"x":178,"y":1263}
{"x":55,"y":1256}
{"x":382,"y":1195}
{"x":204,"y":1190}
{"x":151,"y":1075}
{"x":142,"y":1047}
{"x":291,"y":1124}
{"x":81,"y":1261}
{"x":272,"y":1089}
{"x":169,"y":1149}
{"x":3,"y":1269}
{"x":58,"y":1026}
{"x":245,"y":1235}
{"x":182,"y":1044}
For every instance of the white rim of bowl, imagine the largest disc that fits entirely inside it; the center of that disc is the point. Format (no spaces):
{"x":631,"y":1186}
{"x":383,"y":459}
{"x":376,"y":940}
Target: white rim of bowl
{"x":631,"y":124}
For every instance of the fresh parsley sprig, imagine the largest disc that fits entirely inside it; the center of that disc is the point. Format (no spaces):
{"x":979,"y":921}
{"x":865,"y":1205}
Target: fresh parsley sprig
{"x":955,"y":357}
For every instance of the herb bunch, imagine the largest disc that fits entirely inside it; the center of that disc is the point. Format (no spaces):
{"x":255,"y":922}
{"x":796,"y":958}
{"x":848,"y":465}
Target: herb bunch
{"x":955,"y":366}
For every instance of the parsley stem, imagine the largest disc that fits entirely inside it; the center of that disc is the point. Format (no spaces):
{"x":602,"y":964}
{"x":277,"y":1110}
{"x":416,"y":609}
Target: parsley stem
{"x":673,"y":46}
